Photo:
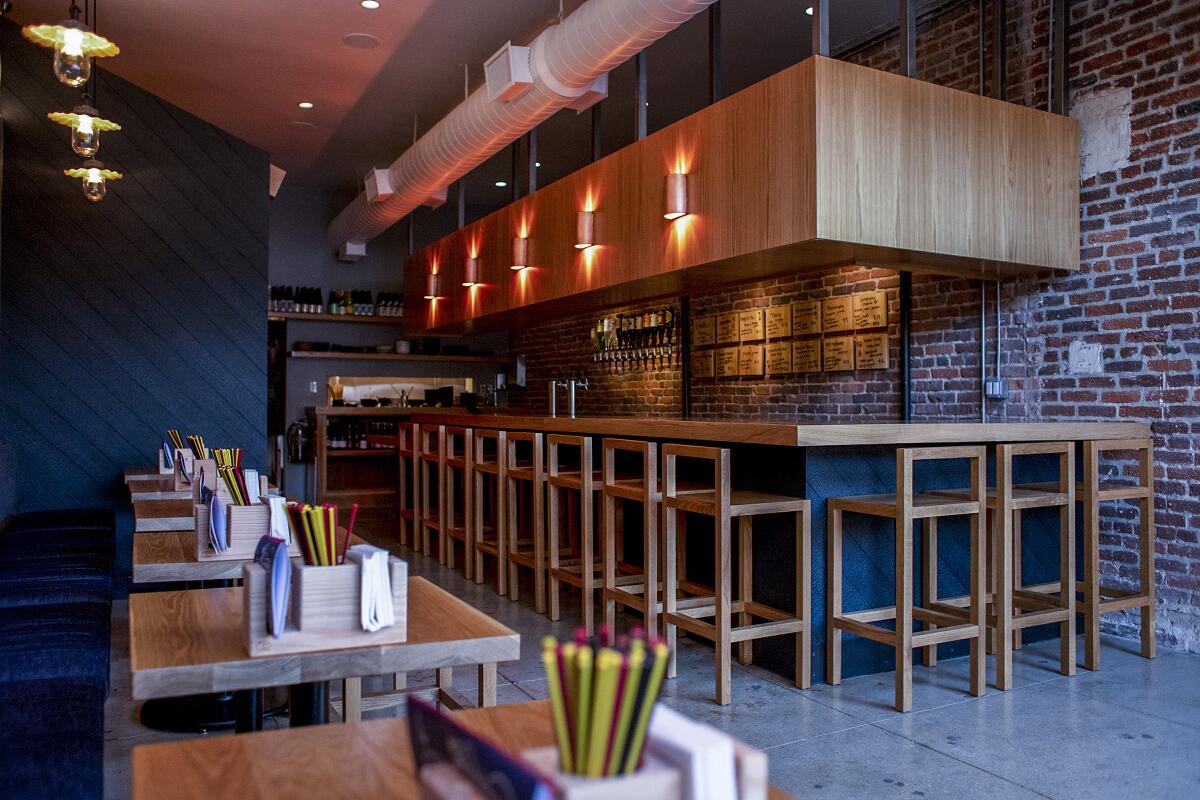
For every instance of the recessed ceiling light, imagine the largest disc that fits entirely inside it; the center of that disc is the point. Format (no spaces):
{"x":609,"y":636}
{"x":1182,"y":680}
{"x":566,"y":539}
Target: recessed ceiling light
{"x":362,"y":41}
{"x":502,"y":184}
{"x":808,"y":11}
{"x":371,"y":4}
{"x":305,"y":104}
{"x":537,"y":163}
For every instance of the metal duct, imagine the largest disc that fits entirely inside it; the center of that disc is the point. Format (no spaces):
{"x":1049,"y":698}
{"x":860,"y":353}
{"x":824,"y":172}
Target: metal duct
{"x":564,"y":60}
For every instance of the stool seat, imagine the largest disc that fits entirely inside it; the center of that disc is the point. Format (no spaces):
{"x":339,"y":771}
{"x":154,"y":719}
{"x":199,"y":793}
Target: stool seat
{"x":1024,"y":496}
{"x":1109,"y":490}
{"x":742,"y":502}
{"x":490,"y":467}
{"x":523,"y":471}
{"x":923,"y":505}
{"x":573,"y":479}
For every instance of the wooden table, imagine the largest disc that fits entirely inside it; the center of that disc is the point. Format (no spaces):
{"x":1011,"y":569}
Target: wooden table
{"x":159,"y":488}
{"x":368,"y":760}
{"x":140,"y":473}
{"x":164,"y":515}
{"x":193,"y":642}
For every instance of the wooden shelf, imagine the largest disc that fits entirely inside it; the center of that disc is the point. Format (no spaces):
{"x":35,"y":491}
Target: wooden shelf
{"x":363,"y":318}
{"x":333,"y":356}
{"x":358,"y":453}
{"x":376,"y":492}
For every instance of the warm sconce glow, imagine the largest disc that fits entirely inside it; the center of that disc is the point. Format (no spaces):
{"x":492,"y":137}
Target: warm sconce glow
{"x":585,"y":230}
{"x":431,"y":286}
{"x":520,"y":253}
{"x":471,"y":271}
{"x":677,"y":198}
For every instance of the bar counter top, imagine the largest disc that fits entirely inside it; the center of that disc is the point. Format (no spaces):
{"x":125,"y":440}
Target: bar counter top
{"x":794,"y":434}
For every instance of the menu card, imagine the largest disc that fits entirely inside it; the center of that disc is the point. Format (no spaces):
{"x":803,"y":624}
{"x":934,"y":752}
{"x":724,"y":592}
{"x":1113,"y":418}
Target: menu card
{"x":727,"y":362}
{"x":750,"y":360}
{"x":750,"y":325}
{"x":806,"y":356}
{"x":870,"y":310}
{"x":779,"y":321}
{"x":727,"y":328}
{"x":837,"y":314}
{"x":806,"y":317}
{"x":704,"y":331}
{"x":779,"y":358}
{"x":838,"y":354}
{"x":871,"y":351}
{"x":702,"y":364}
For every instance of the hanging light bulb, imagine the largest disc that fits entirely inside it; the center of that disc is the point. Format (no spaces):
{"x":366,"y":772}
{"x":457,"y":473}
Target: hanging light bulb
{"x":85,"y":123}
{"x":94,"y":177}
{"x":74,"y":47}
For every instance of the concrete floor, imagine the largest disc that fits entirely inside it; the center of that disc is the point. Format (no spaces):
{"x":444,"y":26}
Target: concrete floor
{"x":1129,"y":730}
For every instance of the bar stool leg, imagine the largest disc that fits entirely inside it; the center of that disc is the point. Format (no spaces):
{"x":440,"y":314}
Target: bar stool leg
{"x":929,"y":581}
{"x":672,"y":550}
{"x":745,"y":582}
{"x":722,"y":584}
{"x":587,"y":536}
{"x":1091,"y":554}
{"x":477,"y":524}
{"x":539,"y":543}
{"x":512,"y":535}
{"x":651,"y":573}
{"x":979,"y":604}
{"x":804,"y":599}
{"x":554,"y":512}
{"x":1066,"y":595}
{"x":833,"y":592}
{"x":1146,"y":542}
{"x":904,"y":615}
{"x":1002,"y":593}
{"x":1018,"y":581}
{"x":608,"y":560}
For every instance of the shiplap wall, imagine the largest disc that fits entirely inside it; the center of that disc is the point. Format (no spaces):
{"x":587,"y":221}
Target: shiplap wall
{"x":123,"y":318}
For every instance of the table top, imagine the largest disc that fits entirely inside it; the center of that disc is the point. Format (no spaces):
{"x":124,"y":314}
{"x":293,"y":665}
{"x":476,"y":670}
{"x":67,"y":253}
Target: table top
{"x":193,"y":642}
{"x":371,"y":759}
{"x":792,"y":434}
{"x":158,"y":488}
{"x":164,"y":515}
{"x":160,"y":556}
{"x":140,"y":473}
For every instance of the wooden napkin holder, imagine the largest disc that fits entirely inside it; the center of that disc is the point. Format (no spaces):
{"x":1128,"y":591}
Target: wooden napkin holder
{"x":656,"y":780}
{"x":244,"y":527}
{"x":324,"y":610}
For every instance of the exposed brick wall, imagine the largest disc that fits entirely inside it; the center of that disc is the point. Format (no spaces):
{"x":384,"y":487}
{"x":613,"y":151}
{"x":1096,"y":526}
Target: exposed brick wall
{"x":1137,"y":293}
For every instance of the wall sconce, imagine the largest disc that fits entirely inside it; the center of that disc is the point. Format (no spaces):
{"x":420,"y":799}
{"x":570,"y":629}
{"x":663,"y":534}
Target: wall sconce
{"x":585,"y":229}
{"x":471,"y":272}
{"x":520,"y":253}
{"x":431,"y":286}
{"x":677,"y":199}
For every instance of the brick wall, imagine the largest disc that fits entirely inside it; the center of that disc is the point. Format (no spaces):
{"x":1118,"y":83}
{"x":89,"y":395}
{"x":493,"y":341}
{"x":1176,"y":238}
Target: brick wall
{"x":1137,"y":294}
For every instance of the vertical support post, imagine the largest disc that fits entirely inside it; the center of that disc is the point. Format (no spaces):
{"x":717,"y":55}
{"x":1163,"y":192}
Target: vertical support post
{"x":982,"y":350}
{"x":908,"y":37}
{"x":597,"y":132}
{"x":905,"y":324}
{"x":684,"y":323}
{"x":461,"y":200}
{"x":532,"y":163}
{"x":1059,"y":91}
{"x":513,"y":184}
{"x":639,"y":113}
{"x":412,"y":232}
{"x":820,"y":27}
{"x":999,"y":60}
{"x":714,"y":52}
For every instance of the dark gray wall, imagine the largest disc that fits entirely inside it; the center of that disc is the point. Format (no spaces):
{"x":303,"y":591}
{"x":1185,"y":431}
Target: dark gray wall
{"x":142,"y":312}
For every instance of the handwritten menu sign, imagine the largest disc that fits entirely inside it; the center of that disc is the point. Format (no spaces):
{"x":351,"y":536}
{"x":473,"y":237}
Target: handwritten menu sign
{"x":726,"y":362}
{"x":702,"y":364}
{"x":750,"y":325}
{"x":806,"y":356}
{"x":779,"y":358}
{"x":704,"y":331}
{"x":779,"y":321}
{"x":806,"y":317}
{"x":727,"y":328}
{"x":750,"y":360}
{"x":838,"y":354}
{"x":871,"y":351}
{"x":870,"y":310}
{"x":837,"y":314}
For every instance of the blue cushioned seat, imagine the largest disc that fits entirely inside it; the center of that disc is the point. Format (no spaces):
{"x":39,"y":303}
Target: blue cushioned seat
{"x":91,"y":519}
{"x":50,"y":579}
{"x":52,"y":745}
{"x":69,"y":640}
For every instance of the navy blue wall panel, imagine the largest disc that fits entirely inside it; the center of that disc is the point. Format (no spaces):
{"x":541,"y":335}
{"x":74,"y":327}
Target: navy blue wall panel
{"x":142,"y":312}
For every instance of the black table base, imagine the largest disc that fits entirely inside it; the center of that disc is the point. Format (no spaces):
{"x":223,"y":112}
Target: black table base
{"x":308,"y":704}
{"x":199,"y":713}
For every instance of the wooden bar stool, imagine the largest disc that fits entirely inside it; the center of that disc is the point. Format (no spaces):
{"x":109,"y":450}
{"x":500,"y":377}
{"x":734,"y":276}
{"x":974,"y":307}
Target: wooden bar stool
{"x":429,"y":475}
{"x":575,"y":565}
{"x":489,"y":540}
{"x":406,"y":473}
{"x":525,"y":464}
{"x":639,"y":590}
{"x":904,"y":507}
{"x":458,"y":505}
{"x":724,"y":504}
{"x":1015,"y":607}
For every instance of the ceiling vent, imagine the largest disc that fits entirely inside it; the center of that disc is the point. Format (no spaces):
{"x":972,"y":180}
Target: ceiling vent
{"x":352,"y":251}
{"x":592,"y":95}
{"x":507,"y":73}
{"x":436,"y":199}
{"x":378,"y":185}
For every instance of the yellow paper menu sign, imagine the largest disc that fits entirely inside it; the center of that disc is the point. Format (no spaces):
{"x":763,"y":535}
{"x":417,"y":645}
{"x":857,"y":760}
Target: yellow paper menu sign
{"x":750,"y":360}
{"x":750,"y":325}
{"x":779,"y":358}
{"x":837,"y":314}
{"x":806,"y":356}
{"x":779,"y":321}
{"x":727,"y":328}
{"x":702,"y":364}
{"x":726,"y":362}
{"x":838,"y":354}
{"x":870,"y":310}
{"x":704,"y":331}
{"x":806,"y":317}
{"x":871,"y":351}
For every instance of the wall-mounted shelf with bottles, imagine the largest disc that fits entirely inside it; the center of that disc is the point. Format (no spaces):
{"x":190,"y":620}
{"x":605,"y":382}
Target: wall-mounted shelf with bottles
{"x":636,"y":341}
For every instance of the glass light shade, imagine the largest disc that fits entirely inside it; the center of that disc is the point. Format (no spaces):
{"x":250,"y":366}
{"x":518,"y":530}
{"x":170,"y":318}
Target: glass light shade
{"x":431,"y":286}
{"x":94,"y":187}
{"x":520,"y":253}
{"x":86,"y":124}
{"x":72,"y":65}
{"x":585,"y":223}
{"x":470,"y":271}
{"x":676,"y":196}
{"x":85,"y":139}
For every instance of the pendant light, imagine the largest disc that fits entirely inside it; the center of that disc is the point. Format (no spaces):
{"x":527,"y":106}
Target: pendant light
{"x":85,"y":123}
{"x":94,"y":177}
{"x":74,"y":46}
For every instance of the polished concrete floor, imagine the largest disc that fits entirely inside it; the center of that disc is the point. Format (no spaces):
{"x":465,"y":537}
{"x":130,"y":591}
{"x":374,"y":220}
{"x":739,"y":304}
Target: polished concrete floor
{"x":1129,"y":730}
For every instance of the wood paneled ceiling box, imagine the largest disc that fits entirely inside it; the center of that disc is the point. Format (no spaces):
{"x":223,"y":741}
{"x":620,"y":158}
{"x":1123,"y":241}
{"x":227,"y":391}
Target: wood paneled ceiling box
{"x":823,"y":164}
